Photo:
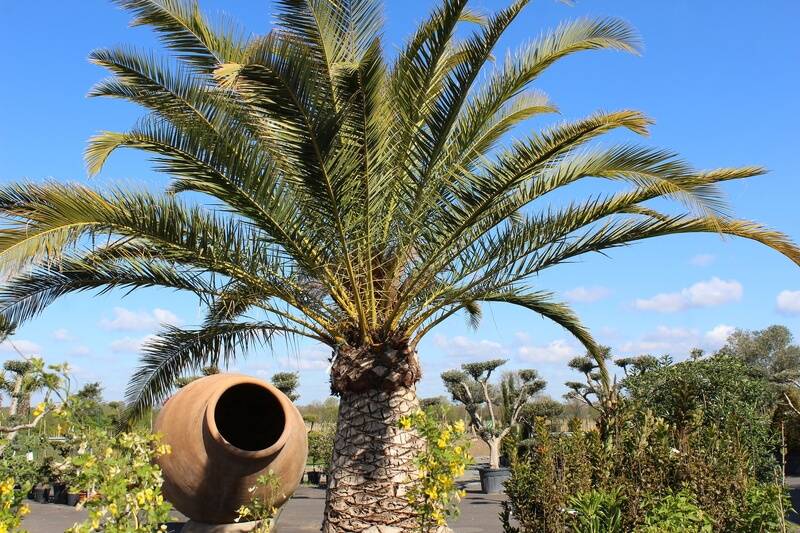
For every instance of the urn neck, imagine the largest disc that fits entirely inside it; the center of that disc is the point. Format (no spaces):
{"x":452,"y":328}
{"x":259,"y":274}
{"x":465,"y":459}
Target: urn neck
{"x":249,"y":419}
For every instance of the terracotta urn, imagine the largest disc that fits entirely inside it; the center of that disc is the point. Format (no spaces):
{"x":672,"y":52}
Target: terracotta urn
{"x":225,"y":431}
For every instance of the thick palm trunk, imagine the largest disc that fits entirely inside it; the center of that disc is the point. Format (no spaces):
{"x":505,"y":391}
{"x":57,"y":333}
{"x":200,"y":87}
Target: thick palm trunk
{"x":373,"y":463}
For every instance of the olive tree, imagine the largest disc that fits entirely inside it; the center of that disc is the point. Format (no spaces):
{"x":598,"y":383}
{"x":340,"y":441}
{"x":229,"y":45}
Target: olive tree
{"x":492,"y":414}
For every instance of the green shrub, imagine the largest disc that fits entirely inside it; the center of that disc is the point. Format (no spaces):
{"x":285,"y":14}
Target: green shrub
{"x":675,"y":513}
{"x":596,"y":511}
{"x":765,"y":506}
{"x":696,"y":466}
{"x":320,"y":448}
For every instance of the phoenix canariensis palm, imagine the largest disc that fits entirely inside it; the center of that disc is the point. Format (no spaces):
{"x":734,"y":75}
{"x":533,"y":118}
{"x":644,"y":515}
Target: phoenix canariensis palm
{"x":355,"y":199}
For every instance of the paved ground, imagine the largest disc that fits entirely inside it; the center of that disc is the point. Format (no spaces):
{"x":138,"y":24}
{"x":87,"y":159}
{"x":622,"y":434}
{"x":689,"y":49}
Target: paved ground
{"x":303,"y":513}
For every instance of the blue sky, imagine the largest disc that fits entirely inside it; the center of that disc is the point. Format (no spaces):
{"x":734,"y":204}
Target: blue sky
{"x":720,"y":78}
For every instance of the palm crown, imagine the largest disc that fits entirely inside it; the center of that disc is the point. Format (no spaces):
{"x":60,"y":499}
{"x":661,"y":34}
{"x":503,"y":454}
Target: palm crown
{"x":353,"y":199}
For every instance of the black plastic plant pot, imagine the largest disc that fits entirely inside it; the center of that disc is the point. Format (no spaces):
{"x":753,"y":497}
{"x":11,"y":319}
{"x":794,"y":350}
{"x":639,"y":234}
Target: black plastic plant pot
{"x":41,"y":494}
{"x":73,"y":498}
{"x":314,"y":477}
{"x":492,"y":479}
{"x":59,"y":493}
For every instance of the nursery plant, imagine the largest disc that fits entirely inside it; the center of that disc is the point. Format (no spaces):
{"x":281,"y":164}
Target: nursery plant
{"x":491,"y":420}
{"x":350,"y":195}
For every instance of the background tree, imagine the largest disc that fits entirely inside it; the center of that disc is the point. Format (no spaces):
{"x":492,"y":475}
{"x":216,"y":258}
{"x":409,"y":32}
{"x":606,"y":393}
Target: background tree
{"x":29,"y":376}
{"x":598,"y":391}
{"x":287,"y":383}
{"x":492,"y":413}
{"x":210,"y":370}
{"x":366,"y":198}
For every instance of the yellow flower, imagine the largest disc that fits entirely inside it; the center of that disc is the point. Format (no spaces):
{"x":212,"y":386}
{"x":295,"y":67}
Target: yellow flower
{"x":459,"y":426}
{"x":38,"y":410}
{"x":24,"y":510}
{"x":432,"y":493}
{"x":405,"y":422}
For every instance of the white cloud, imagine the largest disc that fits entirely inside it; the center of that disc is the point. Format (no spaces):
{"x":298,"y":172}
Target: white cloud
{"x":80,"y":350}
{"x":717,"y":337}
{"x":130,"y":344}
{"x":62,"y":334}
{"x":789,"y":302}
{"x":308,"y":358}
{"x":554,"y":352}
{"x":127,"y":320}
{"x":678,"y":341}
{"x":463,"y":347}
{"x":28,"y":348}
{"x":702,"y":294}
{"x":588,"y":294}
{"x":702,"y":260}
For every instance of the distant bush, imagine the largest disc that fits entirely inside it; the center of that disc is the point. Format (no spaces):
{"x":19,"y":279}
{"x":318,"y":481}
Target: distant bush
{"x":696,"y":468}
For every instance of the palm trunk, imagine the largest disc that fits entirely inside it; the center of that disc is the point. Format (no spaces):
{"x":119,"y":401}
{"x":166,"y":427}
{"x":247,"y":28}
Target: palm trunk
{"x":373,"y":464}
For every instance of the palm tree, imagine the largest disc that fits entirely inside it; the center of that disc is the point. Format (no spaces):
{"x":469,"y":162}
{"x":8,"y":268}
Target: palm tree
{"x":347,"y":197}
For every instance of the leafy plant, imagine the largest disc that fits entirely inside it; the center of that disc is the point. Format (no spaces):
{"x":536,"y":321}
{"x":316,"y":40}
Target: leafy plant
{"x":259,"y":509}
{"x":124,"y":483}
{"x":596,"y":511}
{"x":287,"y":383}
{"x":675,"y":513}
{"x":434,"y":495}
{"x":320,"y":448}
{"x":12,"y":510}
{"x":765,"y":508}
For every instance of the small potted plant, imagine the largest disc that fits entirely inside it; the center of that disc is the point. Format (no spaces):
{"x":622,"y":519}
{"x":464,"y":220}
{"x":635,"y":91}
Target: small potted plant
{"x":320,"y":451}
{"x":492,"y":412}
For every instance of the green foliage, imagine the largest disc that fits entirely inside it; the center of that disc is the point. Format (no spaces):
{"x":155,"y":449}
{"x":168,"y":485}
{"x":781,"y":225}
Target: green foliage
{"x":326,"y":412}
{"x":675,"y":513}
{"x":656,"y":468}
{"x":441,"y":460}
{"x":493,"y":414}
{"x":719,"y":391}
{"x":368,"y":195}
{"x":320,"y":447}
{"x":765,"y":508}
{"x":771,"y":350}
{"x":596,"y":512}
{"x":124,"y":482}
{"x":259,"y":509}
{"x":12,"y":510}
{"x":287,"y":383}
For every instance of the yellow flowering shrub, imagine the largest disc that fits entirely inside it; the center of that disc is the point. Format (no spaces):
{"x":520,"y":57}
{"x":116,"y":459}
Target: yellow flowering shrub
{"x":12,"y":511}
{"x":261,"y":509}
{"x":443,"y":458}
{"x":123,"y":482}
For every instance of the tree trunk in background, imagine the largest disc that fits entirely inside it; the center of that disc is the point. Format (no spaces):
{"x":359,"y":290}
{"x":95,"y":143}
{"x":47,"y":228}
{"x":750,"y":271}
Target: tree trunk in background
{"x":373,"y":464}
{"x":494,"y":452}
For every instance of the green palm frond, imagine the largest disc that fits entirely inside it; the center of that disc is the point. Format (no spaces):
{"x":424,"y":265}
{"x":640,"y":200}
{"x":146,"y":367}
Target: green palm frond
{"x":183,"y":29}
{"x":344,"y":194}
{"x":176,"y":351}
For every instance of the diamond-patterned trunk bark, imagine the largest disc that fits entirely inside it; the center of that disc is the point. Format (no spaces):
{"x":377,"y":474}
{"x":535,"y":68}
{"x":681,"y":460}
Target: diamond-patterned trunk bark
{"x":373,"y":463}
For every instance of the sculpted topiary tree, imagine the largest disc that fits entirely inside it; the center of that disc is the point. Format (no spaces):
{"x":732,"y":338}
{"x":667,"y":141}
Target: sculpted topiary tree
{"x":352,"y":196}
{"x":493,"y":413}
{"x":287,"y":383}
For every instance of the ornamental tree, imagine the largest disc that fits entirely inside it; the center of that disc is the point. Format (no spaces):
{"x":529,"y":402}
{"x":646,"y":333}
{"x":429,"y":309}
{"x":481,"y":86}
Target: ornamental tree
{"x":492,"y":414}
{"x":287,"y":383}
{"x":352,"y":196}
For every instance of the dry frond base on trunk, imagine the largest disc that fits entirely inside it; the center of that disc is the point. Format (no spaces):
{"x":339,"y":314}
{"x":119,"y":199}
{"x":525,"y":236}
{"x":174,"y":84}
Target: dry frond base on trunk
{"x":373,"y":463}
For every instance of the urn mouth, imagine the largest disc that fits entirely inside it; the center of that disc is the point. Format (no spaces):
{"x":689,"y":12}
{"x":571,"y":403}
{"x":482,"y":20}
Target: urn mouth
{"x":249,"y":419}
